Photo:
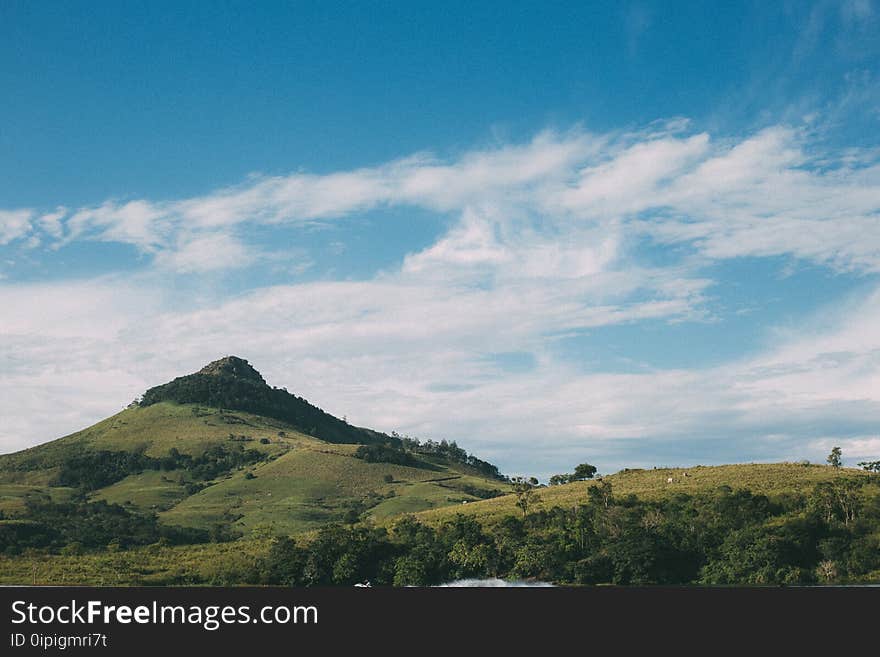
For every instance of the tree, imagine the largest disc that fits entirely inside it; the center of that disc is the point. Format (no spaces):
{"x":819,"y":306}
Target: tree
{"x":559,"y":479}
{"x":584,"y":471}
{"x":837,"y":500}
{"x":524,"y":489}
{"x":870,"y":466}
{"x":601,"y":494}
{"x":835,"y":459}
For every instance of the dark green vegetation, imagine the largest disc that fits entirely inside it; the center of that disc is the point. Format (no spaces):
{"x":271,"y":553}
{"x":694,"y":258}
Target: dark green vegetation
{"x":385,"y":454}
{"x":72,"y":527}
{"x":582,"y":472}
{"x":93,"y":470}
{"x":450,"y":451}
{"x":216,"y":478}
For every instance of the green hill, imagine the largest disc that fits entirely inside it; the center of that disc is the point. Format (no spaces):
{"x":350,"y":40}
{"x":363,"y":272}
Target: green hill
{"x":222,"y":448}
{"x":771,"y":479}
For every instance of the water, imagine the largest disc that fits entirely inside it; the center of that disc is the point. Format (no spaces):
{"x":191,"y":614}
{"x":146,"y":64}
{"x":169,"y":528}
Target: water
{"x":494,"y":582}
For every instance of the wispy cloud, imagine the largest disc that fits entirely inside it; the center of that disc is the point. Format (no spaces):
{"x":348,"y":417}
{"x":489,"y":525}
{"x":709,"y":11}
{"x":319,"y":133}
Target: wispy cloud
{"x":543,"y":242}
{"x":762,"y":195}
{"x":206,"y":252}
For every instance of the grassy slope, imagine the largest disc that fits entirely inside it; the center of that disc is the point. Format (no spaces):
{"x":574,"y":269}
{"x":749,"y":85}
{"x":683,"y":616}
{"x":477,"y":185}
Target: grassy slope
{"x":315,"y":484}
{"x":13,"y":496}
{"x":303,"y":483}
{"x":151,"y":565}
{"x":155,"y":429}
{"x":765,"y":478}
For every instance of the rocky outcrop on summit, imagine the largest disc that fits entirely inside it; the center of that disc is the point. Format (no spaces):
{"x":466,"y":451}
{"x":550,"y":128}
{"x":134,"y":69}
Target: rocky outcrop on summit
{"x":233,"y":366}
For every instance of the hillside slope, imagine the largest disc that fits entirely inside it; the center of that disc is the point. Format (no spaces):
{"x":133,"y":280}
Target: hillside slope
{"x":196,"y":452}
{"x":770,"y":479}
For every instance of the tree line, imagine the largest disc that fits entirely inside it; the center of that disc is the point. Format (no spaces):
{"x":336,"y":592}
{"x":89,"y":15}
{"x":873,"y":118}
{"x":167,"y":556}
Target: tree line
{"x":450,"y":451}
{"x":92,"y":470}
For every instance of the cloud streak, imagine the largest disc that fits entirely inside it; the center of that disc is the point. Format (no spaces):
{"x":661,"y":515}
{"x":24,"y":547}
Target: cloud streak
{"x":762,"y":195}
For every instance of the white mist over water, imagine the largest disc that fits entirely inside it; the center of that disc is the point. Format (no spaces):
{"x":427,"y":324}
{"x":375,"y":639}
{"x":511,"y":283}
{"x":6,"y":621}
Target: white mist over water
{"x":494,"y":583}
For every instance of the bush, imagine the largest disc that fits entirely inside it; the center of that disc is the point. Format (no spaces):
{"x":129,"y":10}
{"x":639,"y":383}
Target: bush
{"x":385,"y":454}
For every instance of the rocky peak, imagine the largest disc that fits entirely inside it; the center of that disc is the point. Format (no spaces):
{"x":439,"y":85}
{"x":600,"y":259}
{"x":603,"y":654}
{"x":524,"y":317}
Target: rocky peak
{"x":233,"y":366}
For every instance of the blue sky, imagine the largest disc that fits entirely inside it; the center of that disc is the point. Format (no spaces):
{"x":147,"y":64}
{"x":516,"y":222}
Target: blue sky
{"x":633,"y":234}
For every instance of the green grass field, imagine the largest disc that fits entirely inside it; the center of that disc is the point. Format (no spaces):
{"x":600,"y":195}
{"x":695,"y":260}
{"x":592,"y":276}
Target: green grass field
{"x":765,"y":478}
{"x":152,"y":565}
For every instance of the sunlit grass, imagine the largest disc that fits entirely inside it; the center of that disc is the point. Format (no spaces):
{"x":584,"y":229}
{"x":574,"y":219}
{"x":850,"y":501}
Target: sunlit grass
{"x":151,"y":565}
{"x":762,"y":478}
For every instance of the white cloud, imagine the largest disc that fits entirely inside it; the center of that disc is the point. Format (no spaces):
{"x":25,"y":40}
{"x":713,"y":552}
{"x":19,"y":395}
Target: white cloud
{"x":628,"y":182}
{"x":854,"y":450}
{"x":14,"y":224}
{"x":142,"y":223}
{"x":404,"y":354}
{"x":206,"y":252}
{"x":50,"y":222}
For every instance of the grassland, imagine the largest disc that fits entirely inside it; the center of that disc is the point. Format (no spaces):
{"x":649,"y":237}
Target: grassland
{"x":152,"y":565}
{"x":13,"y":496}
{"x":764,"y":478}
